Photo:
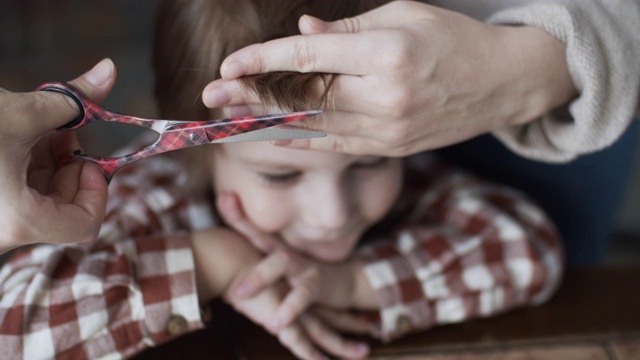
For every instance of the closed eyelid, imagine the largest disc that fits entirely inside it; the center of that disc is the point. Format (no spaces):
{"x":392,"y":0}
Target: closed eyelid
{"x":280,"y":173}
{"x":371,"y":162}
{"x":280,"y":178}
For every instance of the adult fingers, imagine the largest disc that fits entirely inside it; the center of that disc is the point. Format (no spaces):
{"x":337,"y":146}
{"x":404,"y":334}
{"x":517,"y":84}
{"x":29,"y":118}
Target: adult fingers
{"x":97,"y":82}
{"x":229,"y":91}
{"x":40,"y":111}
{"x":46,"y":155}
{"x":348,"y":93}
{"x":80,"y":189}
{"x":325,"y":51}
{"x":314,"y":53}
{"x":91,"y":195}
{"x":63,"y":143}
{"x":42,"y":165}
{"x":222,"y":92}
{"x":72,"y":214}
{"x":331,"y":341}
{"x":394,"y":14}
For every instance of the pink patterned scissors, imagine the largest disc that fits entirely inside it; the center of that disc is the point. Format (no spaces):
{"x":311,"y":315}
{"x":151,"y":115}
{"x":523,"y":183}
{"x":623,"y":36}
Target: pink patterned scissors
{"x":176,"y":135}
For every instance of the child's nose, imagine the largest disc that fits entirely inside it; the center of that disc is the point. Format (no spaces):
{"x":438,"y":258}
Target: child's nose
{"x":328,"y":208}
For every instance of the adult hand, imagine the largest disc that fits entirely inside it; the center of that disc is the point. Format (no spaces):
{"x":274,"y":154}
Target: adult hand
{"x":41,"y":202}
{"x":411,"y":77}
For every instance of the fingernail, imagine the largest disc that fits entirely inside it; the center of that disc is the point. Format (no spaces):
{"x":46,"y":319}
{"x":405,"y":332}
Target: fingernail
{"x":216,"y":96}
{"x":282,"y":142}
{"x":315,"y":23}
{"x":101,"y":73}
{"x":232,"y":70}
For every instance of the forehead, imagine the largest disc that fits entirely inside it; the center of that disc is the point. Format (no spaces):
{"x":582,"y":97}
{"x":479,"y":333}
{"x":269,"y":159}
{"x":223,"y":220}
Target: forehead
{"x":264,"y":153}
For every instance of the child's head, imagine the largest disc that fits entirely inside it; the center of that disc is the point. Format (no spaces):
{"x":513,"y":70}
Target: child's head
{"x":319,"y":203}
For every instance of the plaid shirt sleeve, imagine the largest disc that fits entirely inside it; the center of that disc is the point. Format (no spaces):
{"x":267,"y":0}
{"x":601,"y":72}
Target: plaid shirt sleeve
{"x":466,"y":249}
{"x":132,"y":288}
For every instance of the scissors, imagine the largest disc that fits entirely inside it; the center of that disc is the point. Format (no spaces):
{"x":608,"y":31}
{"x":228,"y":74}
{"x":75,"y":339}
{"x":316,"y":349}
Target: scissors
{"x":176,"y":135}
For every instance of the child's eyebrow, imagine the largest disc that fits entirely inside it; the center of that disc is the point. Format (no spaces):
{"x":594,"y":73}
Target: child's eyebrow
{"x":264,"y":162}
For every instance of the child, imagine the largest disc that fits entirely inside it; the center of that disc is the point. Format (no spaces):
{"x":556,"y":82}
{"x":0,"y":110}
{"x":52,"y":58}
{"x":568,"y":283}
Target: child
{"x":410,"y":240}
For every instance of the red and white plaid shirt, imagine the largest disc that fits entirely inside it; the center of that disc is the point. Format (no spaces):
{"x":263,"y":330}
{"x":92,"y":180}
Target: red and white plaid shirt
{"x":458,"y":249}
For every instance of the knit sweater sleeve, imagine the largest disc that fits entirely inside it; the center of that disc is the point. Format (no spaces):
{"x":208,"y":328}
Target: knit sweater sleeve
{"x":603,"y":47}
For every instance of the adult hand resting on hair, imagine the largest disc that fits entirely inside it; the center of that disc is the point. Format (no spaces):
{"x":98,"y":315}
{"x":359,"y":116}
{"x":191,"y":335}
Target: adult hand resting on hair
{"x":41,"y":202}
{"x":410,"y":78}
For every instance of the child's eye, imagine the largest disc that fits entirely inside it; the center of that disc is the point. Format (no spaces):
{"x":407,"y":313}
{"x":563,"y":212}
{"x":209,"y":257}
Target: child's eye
{"x":283,"y":178}
{"x":371,"y":163}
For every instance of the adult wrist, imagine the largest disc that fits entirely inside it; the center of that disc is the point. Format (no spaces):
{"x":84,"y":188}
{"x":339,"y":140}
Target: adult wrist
{"x":533,"y":72}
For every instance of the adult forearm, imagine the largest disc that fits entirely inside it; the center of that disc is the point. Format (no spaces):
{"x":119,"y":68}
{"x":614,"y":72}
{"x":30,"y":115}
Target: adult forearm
{"x":602,"y":48}
{"x":532,"y":71}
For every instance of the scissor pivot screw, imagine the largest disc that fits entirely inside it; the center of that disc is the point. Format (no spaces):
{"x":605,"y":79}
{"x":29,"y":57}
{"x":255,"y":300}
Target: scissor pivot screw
{"x":193,"y":136}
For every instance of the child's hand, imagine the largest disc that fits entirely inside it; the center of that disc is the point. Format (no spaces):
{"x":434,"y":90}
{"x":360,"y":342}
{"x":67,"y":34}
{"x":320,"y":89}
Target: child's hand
{"x":222,"y":257}
{"x":310,"y":281}
{"x":308,"y":335}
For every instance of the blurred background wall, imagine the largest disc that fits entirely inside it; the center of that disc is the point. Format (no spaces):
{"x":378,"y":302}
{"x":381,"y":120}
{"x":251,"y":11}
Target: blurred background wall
{"x":47,"y":40}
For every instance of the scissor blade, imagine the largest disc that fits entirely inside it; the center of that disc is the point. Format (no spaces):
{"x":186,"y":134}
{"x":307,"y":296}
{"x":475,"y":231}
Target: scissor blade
{"x":275,"y":133}
{"x":235,"y":127}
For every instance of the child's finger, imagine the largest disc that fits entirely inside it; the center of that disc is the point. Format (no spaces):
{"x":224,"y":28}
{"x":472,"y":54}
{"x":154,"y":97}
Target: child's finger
{"x":294,"y":304}
{"x":269,"y":270}
{"x":332,"y":342}
{"x":343,"y":320}
{"x":296,"y":340}
{"x":231,"y":210}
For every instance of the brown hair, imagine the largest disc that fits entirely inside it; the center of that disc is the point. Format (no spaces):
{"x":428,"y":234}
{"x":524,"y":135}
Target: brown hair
{"x":193,"y":37}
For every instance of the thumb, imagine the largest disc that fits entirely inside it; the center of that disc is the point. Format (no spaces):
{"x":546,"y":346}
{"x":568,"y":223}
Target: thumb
{"x":96,"y":83}
{"x":42,"y":111}
{"x":392,"y":15}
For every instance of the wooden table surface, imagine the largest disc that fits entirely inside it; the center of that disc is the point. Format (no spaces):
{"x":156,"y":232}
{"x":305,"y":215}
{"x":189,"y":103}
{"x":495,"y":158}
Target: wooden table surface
{"x":595,"y":315}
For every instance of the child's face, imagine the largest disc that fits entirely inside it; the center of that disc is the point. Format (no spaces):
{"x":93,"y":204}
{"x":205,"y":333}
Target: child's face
{"x":319,"y":203}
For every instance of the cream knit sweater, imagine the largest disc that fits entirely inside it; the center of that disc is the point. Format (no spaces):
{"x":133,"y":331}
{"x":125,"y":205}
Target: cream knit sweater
{"x":603,"y":54}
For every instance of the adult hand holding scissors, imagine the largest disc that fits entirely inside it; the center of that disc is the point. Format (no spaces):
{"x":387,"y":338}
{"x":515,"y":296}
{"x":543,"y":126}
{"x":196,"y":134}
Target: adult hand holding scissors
{"x":411,"y":77}
{"x":41,"y":201}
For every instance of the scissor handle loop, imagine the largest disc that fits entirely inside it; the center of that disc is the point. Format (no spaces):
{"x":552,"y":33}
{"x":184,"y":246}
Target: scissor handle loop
{"x":71,"y":92}
{"x":173,"y":135}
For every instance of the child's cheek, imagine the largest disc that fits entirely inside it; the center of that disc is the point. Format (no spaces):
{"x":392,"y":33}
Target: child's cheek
{"x":266,"y":211}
